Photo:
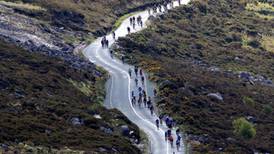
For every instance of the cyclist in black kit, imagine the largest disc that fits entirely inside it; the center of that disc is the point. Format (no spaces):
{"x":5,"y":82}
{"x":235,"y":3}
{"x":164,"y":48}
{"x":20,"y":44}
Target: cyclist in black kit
{"x":143,"y":80}
{"x":151,"y":109}
{"x":113,"y":35}
{"x":133,"y":100}
{"x":136,"y":70}
{"x":136,"y":81}
{"x":128,"y":30}
{"x":157,"y":123}
{"x":129,"y":72}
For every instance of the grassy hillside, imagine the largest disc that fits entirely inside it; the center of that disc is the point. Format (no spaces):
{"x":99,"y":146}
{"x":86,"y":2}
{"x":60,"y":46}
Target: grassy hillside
{"x":41,"y":97}
{"x":181,"y":48}
{"x":96,"y":16}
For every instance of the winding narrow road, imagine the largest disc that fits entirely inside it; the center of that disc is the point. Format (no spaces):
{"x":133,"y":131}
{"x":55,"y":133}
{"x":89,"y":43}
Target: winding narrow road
{"x":120,"y":85}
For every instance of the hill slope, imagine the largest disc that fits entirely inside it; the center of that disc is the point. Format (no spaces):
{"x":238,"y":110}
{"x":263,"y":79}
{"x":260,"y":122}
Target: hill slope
{"x":213,"y":63}
{"x":95,"y":16}
{"x":46,"y":103}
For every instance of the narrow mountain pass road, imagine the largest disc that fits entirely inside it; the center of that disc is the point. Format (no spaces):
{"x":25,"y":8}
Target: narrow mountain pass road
{"x":121,"y":85}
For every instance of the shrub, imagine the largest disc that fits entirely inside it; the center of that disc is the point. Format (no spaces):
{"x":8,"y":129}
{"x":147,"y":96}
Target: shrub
{"x":248,"y":101}
{"x":254,"y":44}
{"x":244,"y":128}
{"x":268,"y":109}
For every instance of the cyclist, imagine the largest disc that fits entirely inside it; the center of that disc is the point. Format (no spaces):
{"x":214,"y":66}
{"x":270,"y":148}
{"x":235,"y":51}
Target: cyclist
{"x":136,"y":70}
{"x":140,"y":89}
{"x":132,"y":93}
{"x":102,"y":43}
{"x":134,"y":25}
{"x":157,"y":123}
{"x":143,"y":80}
{"x":169,"y":123}
{"x":177,"y":131}
{"x":151,"y":108}
{"x":140,"y":95}
{"x":166,"y":135}
{"x":136,"y":81}
{"x":129,"y":72}
{"x":141,"y":72}
{"x":123,"y":59}
{"x":178,"y":142}
{"x":113,"y":35}
{"x":144,"y":93}
{"x":140,"y":101}
{"x":161,"y":119}
{"x":149,"y":103}
{"x":170,"y":138}
{"x":128,"y":30}
{"x":145,"y":101}
{"x":133,"y":100}
{"x":130,"y":19}
{"x":107,"y":43}
{"x":155,"y":92}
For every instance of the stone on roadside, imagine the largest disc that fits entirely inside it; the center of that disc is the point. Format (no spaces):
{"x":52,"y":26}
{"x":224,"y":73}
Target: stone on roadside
{"x":97,"y":116}
{"x":217,"y":96}
{"x":168,"y":84}
{"x":125,"y":130}
{"x":76,"y":121}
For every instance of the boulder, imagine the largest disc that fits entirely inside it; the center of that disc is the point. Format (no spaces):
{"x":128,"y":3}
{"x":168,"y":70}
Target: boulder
{"x":106,"y":130}
{"x":97,"y":116}
{"x":102,"y":149}
{"x":19,"y":94}
{"x":76,"y":121}
{"x":251,"y":119}
{"x":125,"y":130}
{"x":167,"y":84}
{"x":214,"y":69}
{"x":216,"y":96}
{"x":245,"y":75}
{"x":269,"y":82}
{"x":231,"y":140}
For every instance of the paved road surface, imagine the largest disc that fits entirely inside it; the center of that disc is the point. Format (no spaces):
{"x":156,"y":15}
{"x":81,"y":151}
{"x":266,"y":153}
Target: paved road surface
{"x":120,"y":85}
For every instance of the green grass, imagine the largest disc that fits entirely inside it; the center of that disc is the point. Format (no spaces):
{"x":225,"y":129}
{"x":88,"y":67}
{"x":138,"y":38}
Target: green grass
{"x":84,"y":86}
{"x":259,"y":6}
{"x":20,"y":5}
{"x":268,"y":43}
{"x":262,"y":10}
{"x":88,"y":16}
{"x":249,"y":101}
{"x":244,"y":128}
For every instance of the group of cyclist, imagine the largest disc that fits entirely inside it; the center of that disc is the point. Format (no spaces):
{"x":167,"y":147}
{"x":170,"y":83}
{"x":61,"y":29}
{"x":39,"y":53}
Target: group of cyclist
{"x":104,"y":42}
{"x":170,"y":123}
{"x":143,"y":100}
{"x":162,"y":6}
{"x":169,"y":137}
{"x":133,"y":21}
